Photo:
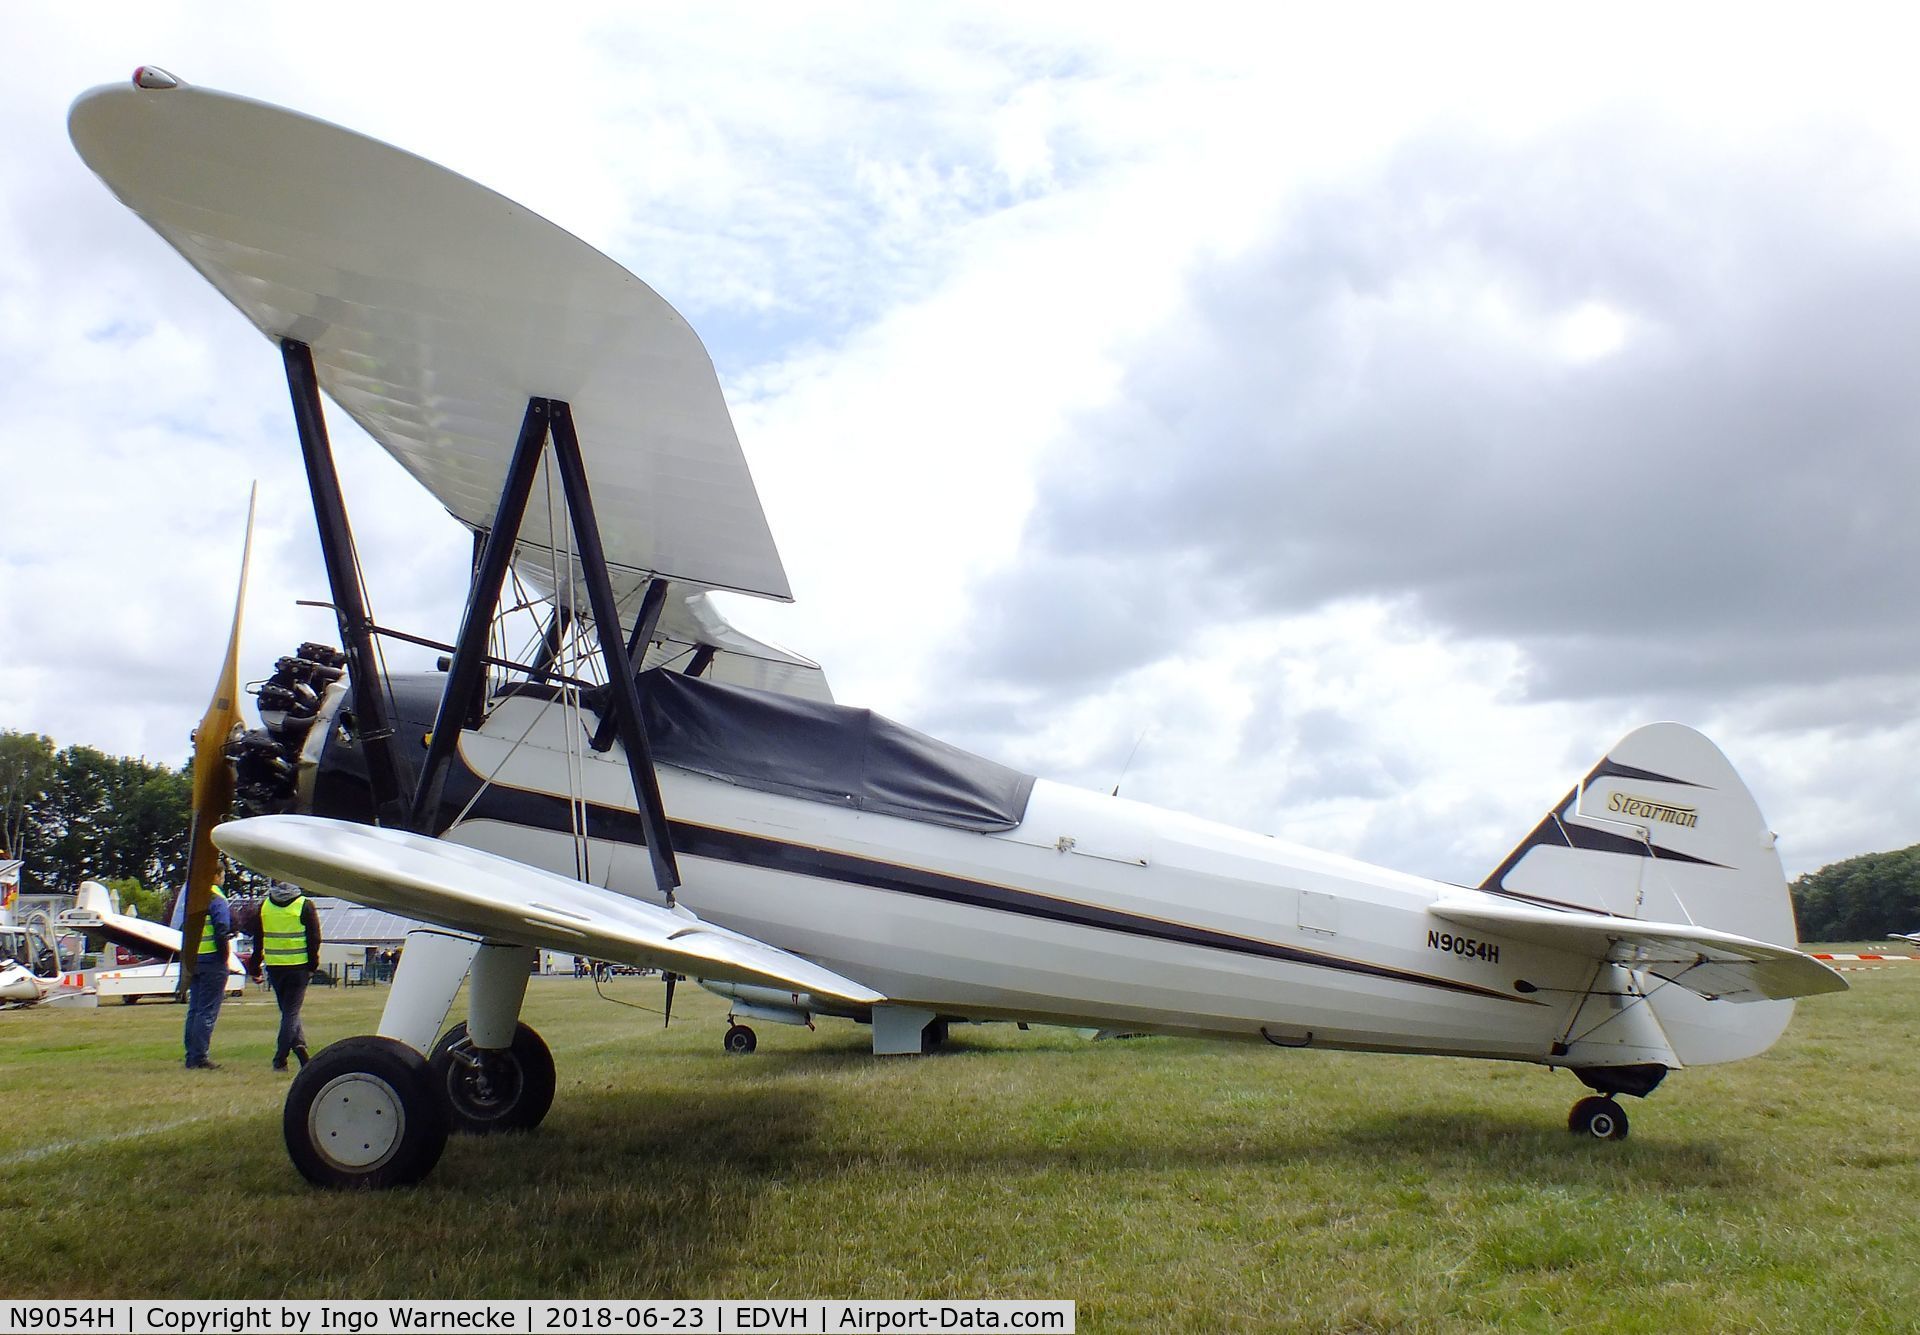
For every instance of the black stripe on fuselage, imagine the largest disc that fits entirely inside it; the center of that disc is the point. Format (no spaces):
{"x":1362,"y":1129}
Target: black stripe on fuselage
{"x":519,"y":806}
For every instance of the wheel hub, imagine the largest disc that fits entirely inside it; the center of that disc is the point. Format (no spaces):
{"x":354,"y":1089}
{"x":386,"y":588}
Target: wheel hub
{"x":483,"y":1085}
{"x":356,"y":1121}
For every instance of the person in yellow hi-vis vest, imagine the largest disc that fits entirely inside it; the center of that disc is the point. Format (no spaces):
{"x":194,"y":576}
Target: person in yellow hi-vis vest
{"x":207,"y":984}
{"x":288,"y":946}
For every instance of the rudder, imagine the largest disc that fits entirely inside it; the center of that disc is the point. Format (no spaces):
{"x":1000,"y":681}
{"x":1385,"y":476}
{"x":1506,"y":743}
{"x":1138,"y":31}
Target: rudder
{"x":1664,"y":829}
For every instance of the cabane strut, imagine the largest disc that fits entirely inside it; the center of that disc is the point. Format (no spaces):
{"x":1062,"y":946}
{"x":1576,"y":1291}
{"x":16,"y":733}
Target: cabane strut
{"x":461,"y":701}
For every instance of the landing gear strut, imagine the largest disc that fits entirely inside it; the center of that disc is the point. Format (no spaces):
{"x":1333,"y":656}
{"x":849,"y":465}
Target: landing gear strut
{"x":1599,"y":1118}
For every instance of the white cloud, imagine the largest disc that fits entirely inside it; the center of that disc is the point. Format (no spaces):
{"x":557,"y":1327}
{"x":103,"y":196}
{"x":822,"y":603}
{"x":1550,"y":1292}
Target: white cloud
{"x":934,"y":253}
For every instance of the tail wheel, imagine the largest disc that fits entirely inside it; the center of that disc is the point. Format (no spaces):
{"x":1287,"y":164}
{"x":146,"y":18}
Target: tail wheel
{"x":364,"y":1114}
{"x":1598,"y":1118}
{"x":488,"y":1091}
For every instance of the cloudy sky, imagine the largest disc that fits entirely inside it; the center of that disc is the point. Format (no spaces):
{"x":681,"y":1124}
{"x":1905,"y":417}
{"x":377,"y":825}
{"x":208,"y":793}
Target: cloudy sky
{"x":1359,"y":422}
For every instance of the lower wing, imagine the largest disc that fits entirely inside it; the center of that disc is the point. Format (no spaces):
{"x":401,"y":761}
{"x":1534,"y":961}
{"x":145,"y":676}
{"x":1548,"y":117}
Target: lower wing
{"x":503,"y":900}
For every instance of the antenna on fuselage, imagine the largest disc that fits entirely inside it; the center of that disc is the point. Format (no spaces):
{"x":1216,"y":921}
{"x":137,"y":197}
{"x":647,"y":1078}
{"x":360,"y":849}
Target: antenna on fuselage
{"x":1130,"y":755}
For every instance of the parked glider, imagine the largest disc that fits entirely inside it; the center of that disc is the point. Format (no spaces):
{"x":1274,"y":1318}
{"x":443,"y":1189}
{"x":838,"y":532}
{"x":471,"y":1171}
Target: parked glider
{"x":646,"y":785}
{"x":30,"y":965}
{"x":31,"y":970}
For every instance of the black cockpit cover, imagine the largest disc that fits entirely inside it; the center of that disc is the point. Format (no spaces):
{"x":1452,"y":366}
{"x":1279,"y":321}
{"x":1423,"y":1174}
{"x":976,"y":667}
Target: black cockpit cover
{"x":825,"y":753}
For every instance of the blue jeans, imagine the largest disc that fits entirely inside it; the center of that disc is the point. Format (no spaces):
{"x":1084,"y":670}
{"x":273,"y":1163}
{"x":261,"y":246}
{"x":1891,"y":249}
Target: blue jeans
{"x":206,"y":989}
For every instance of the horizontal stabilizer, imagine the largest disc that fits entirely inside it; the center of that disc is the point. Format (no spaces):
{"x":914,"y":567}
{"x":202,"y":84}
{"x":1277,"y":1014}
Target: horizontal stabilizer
{"x":1718,"y":965}
{"x":502,"y":900}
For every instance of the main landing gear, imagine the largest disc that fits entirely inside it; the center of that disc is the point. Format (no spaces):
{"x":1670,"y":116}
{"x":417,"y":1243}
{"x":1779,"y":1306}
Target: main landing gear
{"x":372,"y":1112}
{"x":740,"y":1040}
{"x":376,"y":1111}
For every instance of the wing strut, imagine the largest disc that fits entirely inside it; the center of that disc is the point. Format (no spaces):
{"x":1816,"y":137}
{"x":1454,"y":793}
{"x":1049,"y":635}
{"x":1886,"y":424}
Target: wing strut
{"x":466,"y":674}
{"x":643,"y":628}
{"x":374,"y":729}
{"x":619,"y":664}
{"x":551,"y":640}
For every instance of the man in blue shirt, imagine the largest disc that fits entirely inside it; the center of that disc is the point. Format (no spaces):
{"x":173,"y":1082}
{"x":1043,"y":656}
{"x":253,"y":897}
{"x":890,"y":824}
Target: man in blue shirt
{"x":207,"y":984}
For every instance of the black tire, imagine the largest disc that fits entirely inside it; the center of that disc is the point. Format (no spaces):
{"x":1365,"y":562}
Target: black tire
{"x":1598,"y":1119}
{"x":740,"y":1040}
{"x":363,"y":1113}
{"x":489,"y":1092}
{"x":128,"y":1001}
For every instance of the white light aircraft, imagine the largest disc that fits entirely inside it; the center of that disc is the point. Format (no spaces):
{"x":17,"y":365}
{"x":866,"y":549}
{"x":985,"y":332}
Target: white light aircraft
{"x":95,"y":914}
{"x":648,"y":785}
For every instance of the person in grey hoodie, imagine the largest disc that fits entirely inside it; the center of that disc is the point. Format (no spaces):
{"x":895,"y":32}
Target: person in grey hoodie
{"x":288,"y":947}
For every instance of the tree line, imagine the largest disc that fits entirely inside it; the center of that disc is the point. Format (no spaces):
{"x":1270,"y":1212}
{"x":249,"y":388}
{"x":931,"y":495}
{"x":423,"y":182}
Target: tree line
{"x":78,"y":814}
{"x":1860,"y":899}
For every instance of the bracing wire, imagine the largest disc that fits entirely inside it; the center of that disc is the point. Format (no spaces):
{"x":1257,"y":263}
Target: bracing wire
{"x":570,"y":696}
{"x":379,"y":648}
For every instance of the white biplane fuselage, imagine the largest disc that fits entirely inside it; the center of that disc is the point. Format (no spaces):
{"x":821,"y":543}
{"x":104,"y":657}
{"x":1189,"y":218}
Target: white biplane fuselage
{"x":1093,"y":911}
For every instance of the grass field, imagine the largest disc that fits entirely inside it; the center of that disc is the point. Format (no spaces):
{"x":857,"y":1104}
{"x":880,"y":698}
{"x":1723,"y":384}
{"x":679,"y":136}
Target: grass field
{"x":1162,"y":1184}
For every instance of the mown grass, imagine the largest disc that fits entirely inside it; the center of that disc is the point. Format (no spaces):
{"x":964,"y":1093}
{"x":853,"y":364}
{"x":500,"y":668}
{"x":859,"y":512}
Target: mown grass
{"x":1162,"y":1184}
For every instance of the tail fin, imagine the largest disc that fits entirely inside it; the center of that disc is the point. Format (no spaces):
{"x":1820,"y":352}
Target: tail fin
{"x":93,"y":897}
{"x":1663,"y":829}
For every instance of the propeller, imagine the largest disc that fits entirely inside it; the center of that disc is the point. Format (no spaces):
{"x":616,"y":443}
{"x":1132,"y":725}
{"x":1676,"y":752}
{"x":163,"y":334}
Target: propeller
{"x":213,"y":773}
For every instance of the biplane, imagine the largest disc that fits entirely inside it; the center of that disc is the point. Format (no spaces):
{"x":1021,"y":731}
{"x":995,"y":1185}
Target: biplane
{"x":644,"y":783}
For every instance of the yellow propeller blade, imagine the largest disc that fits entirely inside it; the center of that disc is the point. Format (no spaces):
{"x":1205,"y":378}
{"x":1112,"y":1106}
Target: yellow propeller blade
{"x":213,"y":773}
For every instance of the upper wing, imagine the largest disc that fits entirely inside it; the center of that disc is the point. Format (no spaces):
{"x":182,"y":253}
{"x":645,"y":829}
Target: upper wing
{"x":435,"y":309}
{"x":503,"y":900}
{"x":92,"y":912}
{"x":1717,"y":965}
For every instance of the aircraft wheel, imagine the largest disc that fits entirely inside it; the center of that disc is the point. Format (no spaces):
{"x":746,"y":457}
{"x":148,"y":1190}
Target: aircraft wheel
{"x":486,"y":1092}
{"x":740,"y":1040}
{"x":128,"y":1001}
{"x":1602,"y":1119}
{"x":363,"y":1113}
